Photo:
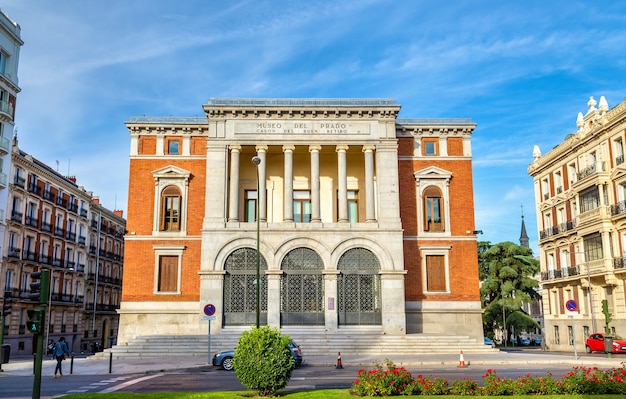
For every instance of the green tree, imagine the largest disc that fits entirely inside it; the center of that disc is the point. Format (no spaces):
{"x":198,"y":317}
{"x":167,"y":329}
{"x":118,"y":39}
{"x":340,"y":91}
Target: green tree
{"x":506,"y":271}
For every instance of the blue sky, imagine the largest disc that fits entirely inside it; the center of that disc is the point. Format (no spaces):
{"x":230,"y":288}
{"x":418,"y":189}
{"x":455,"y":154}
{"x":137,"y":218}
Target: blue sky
{"x":522,"y":70}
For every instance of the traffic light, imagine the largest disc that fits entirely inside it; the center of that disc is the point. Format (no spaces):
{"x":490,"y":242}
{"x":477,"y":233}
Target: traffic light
{"x":6,"y":307}
{"x":39,"y":291}
{"x":33,"y":324}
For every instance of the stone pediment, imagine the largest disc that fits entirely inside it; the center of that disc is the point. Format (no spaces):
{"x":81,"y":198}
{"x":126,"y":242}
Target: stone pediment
{"x":171,"y":172}
{"x":619,"y":172}
{"x":433,"y":172}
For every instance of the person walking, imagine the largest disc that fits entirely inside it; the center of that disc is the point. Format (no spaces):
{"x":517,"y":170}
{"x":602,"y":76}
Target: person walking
{"x":61,"y":351}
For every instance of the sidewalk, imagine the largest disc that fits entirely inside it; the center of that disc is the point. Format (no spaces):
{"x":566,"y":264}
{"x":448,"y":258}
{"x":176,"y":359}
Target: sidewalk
{"x":95,"y":366}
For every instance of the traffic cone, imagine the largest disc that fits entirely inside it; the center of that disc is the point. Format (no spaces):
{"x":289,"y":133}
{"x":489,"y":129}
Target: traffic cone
{"x":461,"y":360}
{"x":339,"y":365}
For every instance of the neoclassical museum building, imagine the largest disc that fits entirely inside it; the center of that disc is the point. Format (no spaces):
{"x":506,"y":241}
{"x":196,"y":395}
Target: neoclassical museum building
{"x":362,"y":220}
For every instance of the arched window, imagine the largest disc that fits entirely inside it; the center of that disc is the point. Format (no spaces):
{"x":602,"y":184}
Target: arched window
{"x":302,"y":288}
{"x":433,"y":209}
{"x":358,"y":288}
{"x":170,"y":209}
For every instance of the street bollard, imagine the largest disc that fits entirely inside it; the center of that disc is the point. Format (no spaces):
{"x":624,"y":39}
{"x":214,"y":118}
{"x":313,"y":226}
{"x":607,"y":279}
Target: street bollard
{"x":72,"y":363}
{"x":110,"y":361}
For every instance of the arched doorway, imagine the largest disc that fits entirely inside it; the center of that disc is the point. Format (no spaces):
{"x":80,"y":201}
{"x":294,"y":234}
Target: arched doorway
{"x":358,"y":288}
{"x":302,"y":288}
{"x":240,"y":288}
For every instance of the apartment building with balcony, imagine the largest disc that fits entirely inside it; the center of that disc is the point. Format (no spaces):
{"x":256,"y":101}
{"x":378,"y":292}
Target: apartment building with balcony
{"x":580,"y":194}
{"x":364,"y":221}
{"x":55,"y":224}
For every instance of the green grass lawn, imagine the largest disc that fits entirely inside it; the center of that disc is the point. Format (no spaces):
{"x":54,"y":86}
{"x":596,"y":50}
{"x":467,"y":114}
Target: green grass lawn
{"x":316,"y":394}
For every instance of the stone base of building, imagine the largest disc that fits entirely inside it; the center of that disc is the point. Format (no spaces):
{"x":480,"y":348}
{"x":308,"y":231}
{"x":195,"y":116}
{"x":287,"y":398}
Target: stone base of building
{"x":449,"y":318}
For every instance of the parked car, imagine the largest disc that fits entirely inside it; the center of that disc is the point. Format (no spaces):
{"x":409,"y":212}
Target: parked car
{"x":537,"y":341}
{"x":525,"y":341}
{"x":595,"y":343}
{"x":489,"y":341}
{"x":224,"y":359}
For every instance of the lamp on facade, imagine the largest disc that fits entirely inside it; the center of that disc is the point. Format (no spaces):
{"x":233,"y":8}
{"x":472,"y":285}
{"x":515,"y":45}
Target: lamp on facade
{"x":257,"y":161}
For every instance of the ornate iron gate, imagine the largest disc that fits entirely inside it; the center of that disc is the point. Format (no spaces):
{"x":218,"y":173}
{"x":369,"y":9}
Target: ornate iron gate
{"x":302,"y":288}
{"x":359,"y":288}
{"x":240,"y":289}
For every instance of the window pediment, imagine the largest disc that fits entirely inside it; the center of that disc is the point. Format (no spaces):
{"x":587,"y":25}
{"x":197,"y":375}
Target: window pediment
{"x":171,"y":172}
{"x":433,"y":172}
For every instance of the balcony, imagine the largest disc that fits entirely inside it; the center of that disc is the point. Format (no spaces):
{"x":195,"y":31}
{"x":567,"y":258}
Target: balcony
{"x":5,"y":145}
{"x":83,"y":212}
{"x":45,"y":226}
{"x":70,"y":264}
{"x":3,"y":179}
{"x":30,"y":255}
{"x":16,"y":216}
{"x":619,"y":159}
{"x":34,"y":189}
{"x":32,"y":221}
{"x":44,"y":259}
{"x":560,"y":273}
{"x":72,"y":207}
{"x":49,"y":196}
{"x":60,"y":232}
{"x":19,"y":182}
{"x":62,"y":202}
{"x":559,"y":189}
{"x":94,"y":224}
{"x":619,"y":264}
{"x":6,"y":108}
{"x":14,"y":252}
{"x":92,"y":250}
{"x":57,"y":262}
{"x":82,"y":240}
{"x":619,"y":208}
{"x":71,"y":236}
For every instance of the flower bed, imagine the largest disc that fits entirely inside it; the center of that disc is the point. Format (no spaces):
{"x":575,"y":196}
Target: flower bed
{"x":390,"y":380}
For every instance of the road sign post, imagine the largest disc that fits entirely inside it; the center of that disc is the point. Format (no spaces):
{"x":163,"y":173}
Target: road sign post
{"x":571,"y":308}
{"x":209,"y":314}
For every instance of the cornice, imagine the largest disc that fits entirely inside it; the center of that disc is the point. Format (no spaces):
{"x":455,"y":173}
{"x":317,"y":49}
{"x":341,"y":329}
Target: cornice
{"x":603,"y":124}
{"x":309,"y":108}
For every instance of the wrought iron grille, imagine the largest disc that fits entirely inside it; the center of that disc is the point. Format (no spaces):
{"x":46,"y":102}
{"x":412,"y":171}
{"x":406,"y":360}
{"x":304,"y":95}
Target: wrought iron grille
{"x":240,"y":288}
{"x":358,"y":287}
{"x":302,"y":288}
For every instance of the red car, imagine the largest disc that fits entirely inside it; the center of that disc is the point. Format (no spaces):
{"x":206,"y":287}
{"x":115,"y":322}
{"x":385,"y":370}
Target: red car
{"x":595,"y":343}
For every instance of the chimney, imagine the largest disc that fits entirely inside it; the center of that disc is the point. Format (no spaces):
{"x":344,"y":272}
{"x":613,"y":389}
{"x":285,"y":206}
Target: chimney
{"x":119,"y":212}
{"x":96,"y":200}
{"x":71,"y":178}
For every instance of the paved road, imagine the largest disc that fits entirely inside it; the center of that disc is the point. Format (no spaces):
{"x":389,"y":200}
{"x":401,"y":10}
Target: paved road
{"x":92,"y":374}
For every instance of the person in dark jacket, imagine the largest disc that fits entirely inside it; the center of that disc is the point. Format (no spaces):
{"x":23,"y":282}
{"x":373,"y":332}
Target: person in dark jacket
{"x":61,"y":351}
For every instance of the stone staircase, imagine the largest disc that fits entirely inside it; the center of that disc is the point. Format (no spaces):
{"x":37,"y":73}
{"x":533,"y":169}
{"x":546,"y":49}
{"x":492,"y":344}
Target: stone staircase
{"x":313,"y":342}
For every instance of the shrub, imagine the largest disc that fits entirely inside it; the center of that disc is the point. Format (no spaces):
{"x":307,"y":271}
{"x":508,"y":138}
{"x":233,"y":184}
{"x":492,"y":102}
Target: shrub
{"x":263,"y":361}
{"x":380,"y":382}
{"x":464,"y":387}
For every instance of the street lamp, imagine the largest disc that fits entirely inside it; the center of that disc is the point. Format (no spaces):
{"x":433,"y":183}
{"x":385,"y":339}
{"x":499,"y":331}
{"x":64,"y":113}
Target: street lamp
{"x":257,"y":161}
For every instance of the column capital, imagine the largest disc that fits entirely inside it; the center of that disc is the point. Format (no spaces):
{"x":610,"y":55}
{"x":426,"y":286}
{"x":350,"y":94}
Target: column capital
{"x":315,"y":148}
{"x":340,"y":148}
{"x":235,"y":147}
{"x":261,"y":148}
{"x":369,"y":147}
{"x":289,"y":148}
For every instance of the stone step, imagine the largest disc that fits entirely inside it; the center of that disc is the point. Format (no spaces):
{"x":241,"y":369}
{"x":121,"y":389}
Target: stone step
{"x":313,"y":342}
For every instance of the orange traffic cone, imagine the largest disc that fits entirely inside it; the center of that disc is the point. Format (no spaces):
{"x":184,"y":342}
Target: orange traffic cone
{"x":339,"y":365}
{"x":461,"y":360}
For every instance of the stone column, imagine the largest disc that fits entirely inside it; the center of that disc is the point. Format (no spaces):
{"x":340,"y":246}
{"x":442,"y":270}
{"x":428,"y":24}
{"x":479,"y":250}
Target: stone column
{"x":288,"y":184}
{"x":315,"y":183}
{"x":261,"y":151}
{"x":370,"y":210}
{"x":342,"y":183}
{"x":233,"y":201}
{"x":273,"y":297}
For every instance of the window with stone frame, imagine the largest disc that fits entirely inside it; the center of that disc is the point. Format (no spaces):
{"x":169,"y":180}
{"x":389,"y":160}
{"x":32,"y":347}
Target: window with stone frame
{"x":593,"y":246}
{"x":433,"y":209}
{"x":430,"y":147}
{"x":435,"y":273}
{"x":170,"y":209}
{"x":589,"y":199}
{"x":167,"y":279}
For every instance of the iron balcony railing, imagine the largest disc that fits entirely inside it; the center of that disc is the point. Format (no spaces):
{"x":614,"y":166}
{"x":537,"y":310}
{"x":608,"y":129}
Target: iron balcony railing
{"x":618,"y":208}
{"x":560,"y":273}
